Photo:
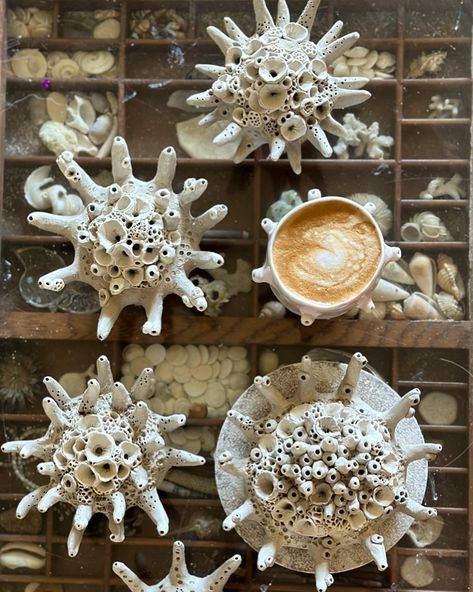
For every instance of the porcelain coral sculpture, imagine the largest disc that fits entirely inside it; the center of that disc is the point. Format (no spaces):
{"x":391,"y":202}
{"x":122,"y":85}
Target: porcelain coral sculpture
{"x":318,"y":469}
{"x":136,"y":241}
{"x":179,"y":579}
{"x":275,"y":87}
{"x":103,"y":454}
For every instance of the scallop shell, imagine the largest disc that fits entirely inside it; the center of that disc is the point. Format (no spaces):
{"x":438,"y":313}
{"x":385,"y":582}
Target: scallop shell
{"x":424,"y":272}
{"x":420,"y":307}
{"x":56,"y":105}
{"x":29,"y":63}
{"x":449,"y":306}
{"x":97,"y":62}
{"x":448,"y":277}
{"x":398,"y":272}
{"x":387,"y":292}
{"x":382,"y":214}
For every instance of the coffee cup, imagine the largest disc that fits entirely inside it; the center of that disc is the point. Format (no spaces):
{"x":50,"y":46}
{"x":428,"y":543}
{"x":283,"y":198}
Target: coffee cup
{"x":324,"y":257}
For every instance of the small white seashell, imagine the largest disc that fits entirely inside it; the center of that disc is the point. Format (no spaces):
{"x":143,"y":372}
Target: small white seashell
{"x":356,"y":52}
{"x":22,"y":556}
{"x":424,"y":272}
{"x":213,"y":352}
{"x":101,"y":128}
{"x":203,"y":372}
{"x":57,"y":137}
{"x":63,"y":203}
{"x":225,"y":368}
{"x":419,"y":306}
{"x":195,"y":388}
{"x":411,"y":232}
{"x":193,"y":356}
{"x":398,"y":272}
{"x":448,"y":277}
{"x":107,"y":29}
{"x":97,"y":62}
{"x":204,"y":353}
{"x":394,"y":310}
{"x":84,"y":145}
{"x":438,"y":408}
{"x":268,"y":362}
{"x":80,"y":114}
{"x":237,"y":352}
{"x":133,"y":351}
{"x":182,"y":374}
{"x":417,"y":571}
{"x":155,"y":353}
{"x":273,"y":309}
{"x":215,"y":395}
{"x":56,"y":105}
{"x":387,"y":291}
{"x":107,"y":145}
{"x":377,"y":313}
{"x":34,"y":187}
{"x":29,"y":63}
{"x":100,"y":102}
{"x":449,"y":306}
{"x":164,"y":372}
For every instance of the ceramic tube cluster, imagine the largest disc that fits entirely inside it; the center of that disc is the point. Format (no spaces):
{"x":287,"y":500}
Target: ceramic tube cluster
{"x":103,"y":454}
{"x":323,"y":472}
{"x":276,"y":87}
{"x":179,"y":578}
{"x":136,"y":241}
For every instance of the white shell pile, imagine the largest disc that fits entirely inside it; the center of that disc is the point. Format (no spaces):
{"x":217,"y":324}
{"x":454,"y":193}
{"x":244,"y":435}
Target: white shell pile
{"x":442,"y":188}
{"x":198,"y":380}
{"x":366,"y":140}
{"x":424,"y":289}
{"x":76,"y":122}
{"x":29,"y":22}
{"x":443,"y":108}
{"x":360,"y":61}
{"x":103,"y":453}
{"x":427,"y":63}
{"x":33,"y":63}
{"x":42,"y":192}
{"x":108,"y":24}
{"x":425,"y":226}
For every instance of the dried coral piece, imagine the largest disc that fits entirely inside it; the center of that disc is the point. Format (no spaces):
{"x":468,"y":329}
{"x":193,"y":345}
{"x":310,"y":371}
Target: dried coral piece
{"x":179,"y":578}
{"x":443,"y":108}
{"x":275,"y":87}
{"x":439,"y":187}
{"x":427,"y":63}
{"x":365,"y":140}
{"x":103,"y":453}
{"x":137,"y":241}
{"x":315,"y":459}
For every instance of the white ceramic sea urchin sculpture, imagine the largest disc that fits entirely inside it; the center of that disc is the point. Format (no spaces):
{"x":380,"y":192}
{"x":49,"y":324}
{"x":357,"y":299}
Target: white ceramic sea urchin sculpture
{"x":179,"y":579}
{"x":136,"y":241}
{"x":275,"y":87}
{"x":103,"y":454}
{"x":319,"y":470}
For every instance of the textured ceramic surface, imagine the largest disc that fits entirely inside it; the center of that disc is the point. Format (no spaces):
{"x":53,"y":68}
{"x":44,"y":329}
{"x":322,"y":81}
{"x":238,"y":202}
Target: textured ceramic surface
{"x":276,"y":87}
{"x":320,"y":468}
{"x":136,"y":241}
{"x":103,"y":454}
{"x":179,"y":578}
{"x":311,"y":310}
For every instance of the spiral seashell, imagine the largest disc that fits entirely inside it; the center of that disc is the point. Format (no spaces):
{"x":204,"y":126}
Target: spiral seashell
{"x":97,"y":62}
{"x":54,"y":57}
{"x":419,"y":306}
{"x":29,"y":63}
{"x":424,"y":272}
{"x":65,"y":68}
{"x":448,"y":277}
{"x":449,"y":306}
{"x":274,"y":309}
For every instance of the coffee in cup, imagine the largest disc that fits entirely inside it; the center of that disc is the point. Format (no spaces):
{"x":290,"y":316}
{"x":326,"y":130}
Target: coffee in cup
{"x":324,"y":257}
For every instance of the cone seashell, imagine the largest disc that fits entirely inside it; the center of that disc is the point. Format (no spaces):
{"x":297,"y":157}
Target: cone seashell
{"x":387,"y":292}
{"x":419,"y":306}
{"x":29,"y":63}
{"x":398,"y":272}
{"x":449,"y":306}
{"x":448,"y":277}
{"x":424,"y":272}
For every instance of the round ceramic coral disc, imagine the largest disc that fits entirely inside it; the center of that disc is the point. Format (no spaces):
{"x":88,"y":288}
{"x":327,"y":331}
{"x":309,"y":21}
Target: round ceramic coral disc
{"x":372,"y":391}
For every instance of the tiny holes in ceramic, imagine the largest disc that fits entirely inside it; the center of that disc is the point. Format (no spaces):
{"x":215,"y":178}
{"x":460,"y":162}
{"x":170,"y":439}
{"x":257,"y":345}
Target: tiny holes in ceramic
{"x":321,"y":467}
{"x":324,"y":257}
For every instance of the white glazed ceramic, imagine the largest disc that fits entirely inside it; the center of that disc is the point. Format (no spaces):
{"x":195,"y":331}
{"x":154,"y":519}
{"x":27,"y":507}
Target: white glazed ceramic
{"x":310,"y":310}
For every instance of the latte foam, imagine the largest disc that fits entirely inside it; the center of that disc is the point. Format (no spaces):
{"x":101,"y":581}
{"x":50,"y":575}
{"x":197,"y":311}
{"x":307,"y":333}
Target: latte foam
{"x":327,"y":252}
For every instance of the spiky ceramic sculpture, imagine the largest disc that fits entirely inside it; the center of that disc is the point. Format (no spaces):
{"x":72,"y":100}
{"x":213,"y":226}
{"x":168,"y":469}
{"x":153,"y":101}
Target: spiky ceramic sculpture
{"x":275,"y":87}
{"x":103,"y":454}
{"x":179,"y":579}
{"x":315,"y":472}
{"x":136,"y":241}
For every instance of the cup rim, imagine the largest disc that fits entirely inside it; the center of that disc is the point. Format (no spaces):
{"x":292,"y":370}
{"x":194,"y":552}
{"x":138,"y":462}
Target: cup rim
{"x":315,"y":303}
